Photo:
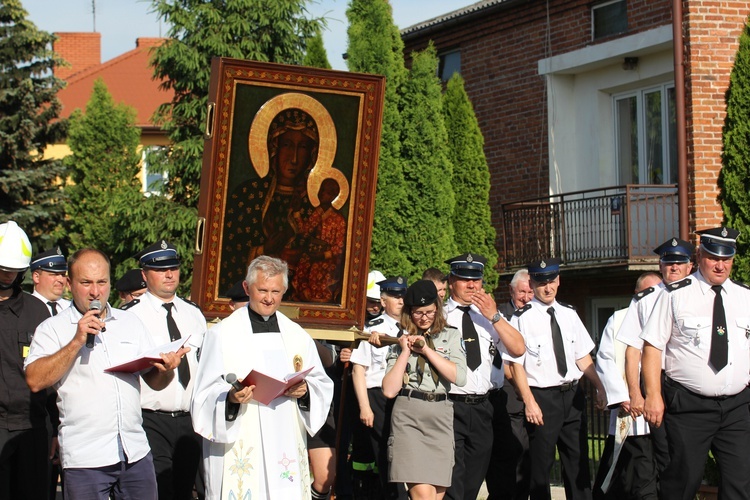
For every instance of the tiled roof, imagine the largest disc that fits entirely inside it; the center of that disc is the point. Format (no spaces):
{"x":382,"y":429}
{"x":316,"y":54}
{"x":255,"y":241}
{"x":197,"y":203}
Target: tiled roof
{"x":129,"y":78}
{"x":451,"y":16}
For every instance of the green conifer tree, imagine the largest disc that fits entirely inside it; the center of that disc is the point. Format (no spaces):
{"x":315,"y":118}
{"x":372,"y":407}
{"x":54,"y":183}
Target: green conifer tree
{"x":30,"y":185}
{"x":375,"y":46}
{"x":103,"y":166}
{"x":316,"y":56}
{"x":261,"y":30}
{"x":472,"y":220}
{"x":734,"y":178}
{"x":429,"y":205}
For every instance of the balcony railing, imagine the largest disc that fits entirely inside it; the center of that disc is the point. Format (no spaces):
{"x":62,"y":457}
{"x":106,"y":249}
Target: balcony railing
{"x":614,"y":225}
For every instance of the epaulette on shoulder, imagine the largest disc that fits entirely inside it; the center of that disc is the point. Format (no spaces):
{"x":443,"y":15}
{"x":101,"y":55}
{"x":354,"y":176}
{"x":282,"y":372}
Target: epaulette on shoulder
{"x":374,"y":322}
{"x":130,"y":304}
{"x":638,"y":296}
{"x":569,"y":306}
{"x":743,"y":285}
{"x":678,"y":284}
{"x":522,"y":310}
{"x":192,"y":303}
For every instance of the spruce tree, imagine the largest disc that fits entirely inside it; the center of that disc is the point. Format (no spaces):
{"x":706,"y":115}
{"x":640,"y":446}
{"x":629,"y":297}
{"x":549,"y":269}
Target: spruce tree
{"x":30,"y":185}
{"x":734,"y":178}
{"x":472,"y":220}
{"x":316,"y":56}
{"x":429,"y":204}
{"x":103,"y":166}
{"x":261,"y":30}
{"x":375,"y":46}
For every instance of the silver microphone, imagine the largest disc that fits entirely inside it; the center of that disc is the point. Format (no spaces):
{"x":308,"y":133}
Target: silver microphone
{"x":231,"y":379}
{"x":95,"y":305}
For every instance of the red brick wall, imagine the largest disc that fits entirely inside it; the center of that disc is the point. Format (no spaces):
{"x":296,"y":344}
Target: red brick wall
{"x":80,"y":50}
{"x":711,"y":30}
{"x":499,"y":54}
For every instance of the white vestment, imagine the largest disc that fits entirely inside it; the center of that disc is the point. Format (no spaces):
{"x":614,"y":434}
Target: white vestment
{"x":263,"y":453}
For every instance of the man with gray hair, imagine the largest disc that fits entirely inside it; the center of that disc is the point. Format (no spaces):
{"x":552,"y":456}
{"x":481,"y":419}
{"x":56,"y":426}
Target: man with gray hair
{"x":252,"y":449}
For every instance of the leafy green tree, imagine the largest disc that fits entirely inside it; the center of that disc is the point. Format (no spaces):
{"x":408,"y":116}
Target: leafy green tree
{"x":472,"y":220}
{"x":103,"y":166}
{"x":30,"y":185}
{"x":316,"y":56}
{"x":375,"y":46}
{"x":734,"y":178}
{"x":429,"y":204}
{"x":261,"y":30}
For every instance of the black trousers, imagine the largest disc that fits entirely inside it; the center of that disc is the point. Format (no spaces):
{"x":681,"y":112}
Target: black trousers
{"x":507,"y":476}
{"x":24,"y":472}
{"x":635,"y":476}
{"x":176,"y":449}
{"x":696,"y":424}
{"x":472,"y":431}
{"x":565,"y":428}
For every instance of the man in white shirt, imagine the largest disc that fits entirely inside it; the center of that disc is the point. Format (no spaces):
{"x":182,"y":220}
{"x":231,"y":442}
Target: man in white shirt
{"x":558,"y":348}
{"x":104,"y":447}
{"x":175,"y":446}
{"x":702,"y":325}
{"x":49,"y":272}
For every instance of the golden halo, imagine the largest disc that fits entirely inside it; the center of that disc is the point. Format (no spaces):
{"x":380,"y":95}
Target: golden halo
{"x":258,"y":138}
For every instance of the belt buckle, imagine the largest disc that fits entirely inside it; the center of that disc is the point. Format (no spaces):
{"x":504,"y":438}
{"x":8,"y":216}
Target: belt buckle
{"x":430,"y":396}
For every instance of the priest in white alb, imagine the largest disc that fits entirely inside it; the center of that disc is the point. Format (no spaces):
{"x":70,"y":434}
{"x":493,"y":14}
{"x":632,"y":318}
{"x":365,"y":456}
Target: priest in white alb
{"x":252,"y":450}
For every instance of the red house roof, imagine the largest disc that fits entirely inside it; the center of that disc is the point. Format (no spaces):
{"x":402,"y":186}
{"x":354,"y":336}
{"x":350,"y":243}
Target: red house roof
{"x":129,"y":77}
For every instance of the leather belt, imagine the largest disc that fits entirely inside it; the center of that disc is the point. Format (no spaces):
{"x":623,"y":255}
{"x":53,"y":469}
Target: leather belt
{"x":172,"y":414}
{"x":424,"y":396}
{"x":469,"y":399}
{"x":568,"y":386}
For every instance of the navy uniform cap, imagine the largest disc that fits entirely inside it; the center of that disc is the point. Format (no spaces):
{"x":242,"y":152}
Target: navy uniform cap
{"x":52,"y":260}
{"x":468,"y":266}
{"x":237,"y":293}
{"x":719,"y":241}
{"x":421,"y":293}
{"x":160,"y":255}
{"x":674,"y":251}
{"x":544,"y":270}
{"x":130,"y":281}
{"x":395,"y":285}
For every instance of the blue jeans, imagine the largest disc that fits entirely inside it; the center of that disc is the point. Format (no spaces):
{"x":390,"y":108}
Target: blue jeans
{"x":126,"y":481}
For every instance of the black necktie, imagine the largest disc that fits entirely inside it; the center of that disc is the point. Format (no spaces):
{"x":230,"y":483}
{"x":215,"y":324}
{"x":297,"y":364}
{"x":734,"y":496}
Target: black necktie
{"x":719,"y":341}
{"x":53,"y":305}
{"x":183,"y":371}
{"x":471,"y":340}
{"x":557,"y":343}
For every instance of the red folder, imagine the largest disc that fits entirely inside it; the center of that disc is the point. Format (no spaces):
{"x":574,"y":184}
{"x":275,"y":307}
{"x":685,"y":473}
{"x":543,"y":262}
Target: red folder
{"x":143,"y":361}
{"x":268,"y":388}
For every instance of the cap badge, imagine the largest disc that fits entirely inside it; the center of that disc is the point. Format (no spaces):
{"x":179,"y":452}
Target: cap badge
{"x":674,"y":242}
{"x":422,"y":300}
{"x":542,"y":264}
{"x":163,"y":245}
{"x":50,"y":264}
{"x":400,"y":280}
{"x":469,"y":258}
{"x":58,"y":251}
{"x":724,"y":232}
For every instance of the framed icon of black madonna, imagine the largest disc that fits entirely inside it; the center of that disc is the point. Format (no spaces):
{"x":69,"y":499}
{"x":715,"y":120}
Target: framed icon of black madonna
{"x":289,"y":170}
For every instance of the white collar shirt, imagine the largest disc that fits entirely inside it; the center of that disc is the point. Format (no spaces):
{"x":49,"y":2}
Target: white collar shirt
{"x":480,"y":380}
{"x":61,"y":303}
{"x":190,"y":321}
{"x":680,"y":325}
{"x":374,"y":359}
{"x":100,"y":412}
{"x":639,"y":311}
{"x":539,"y":359}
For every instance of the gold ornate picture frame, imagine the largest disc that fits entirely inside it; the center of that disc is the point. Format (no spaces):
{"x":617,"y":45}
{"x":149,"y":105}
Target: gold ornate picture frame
{"x":289,"y":170}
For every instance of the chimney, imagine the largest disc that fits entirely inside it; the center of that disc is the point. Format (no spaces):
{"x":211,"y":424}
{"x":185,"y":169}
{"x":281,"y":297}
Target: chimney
{"x":144,"y":42}
{"x":80,"y":50}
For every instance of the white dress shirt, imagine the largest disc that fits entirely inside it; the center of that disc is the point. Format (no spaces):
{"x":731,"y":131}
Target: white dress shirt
{"x":680,"y":325}
{"x":374,"y":359}
{"x":539,"y":359}
{"x":61,"y":303}
{"x":100,"y":412}
{"x":190,"y":321}
{"x":479,"y":381}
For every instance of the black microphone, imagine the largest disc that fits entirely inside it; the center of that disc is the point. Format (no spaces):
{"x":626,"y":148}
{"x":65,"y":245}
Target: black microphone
{"x":231,"y":379}
{"x":95,"y":305}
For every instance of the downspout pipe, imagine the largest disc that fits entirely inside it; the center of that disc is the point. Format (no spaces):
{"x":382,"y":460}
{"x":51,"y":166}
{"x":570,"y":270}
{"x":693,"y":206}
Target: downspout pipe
{"x":681,"y":125}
